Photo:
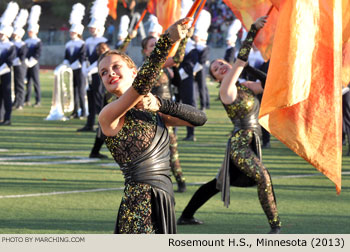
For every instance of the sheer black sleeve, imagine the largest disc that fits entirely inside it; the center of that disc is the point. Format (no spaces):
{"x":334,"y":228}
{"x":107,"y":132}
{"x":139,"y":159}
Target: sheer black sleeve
{"x":182,"y":111}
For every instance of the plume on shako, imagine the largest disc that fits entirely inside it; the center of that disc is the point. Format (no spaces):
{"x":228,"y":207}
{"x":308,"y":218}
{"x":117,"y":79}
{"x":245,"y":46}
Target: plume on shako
{"x":20,"y":22}
{"x":33,"y":19}
{"x":76,"y":17}
{"x":98,"y":14}
{"x":123,"y":27}
{"x":202,"y":25}
{"x":8,"y":17}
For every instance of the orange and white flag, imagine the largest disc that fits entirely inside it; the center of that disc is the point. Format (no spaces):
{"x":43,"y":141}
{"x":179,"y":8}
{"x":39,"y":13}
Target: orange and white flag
{"x":167,"y":12}
{"x":301,"y":105}
{"x":247,"y":11}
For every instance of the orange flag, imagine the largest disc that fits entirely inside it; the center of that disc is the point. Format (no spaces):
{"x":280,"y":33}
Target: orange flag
{"x":166,"y":11}
{"x":346,"y":43}
{"x":301,"y":105}
{"x":247,"y":11}
{"x":112,"y":5}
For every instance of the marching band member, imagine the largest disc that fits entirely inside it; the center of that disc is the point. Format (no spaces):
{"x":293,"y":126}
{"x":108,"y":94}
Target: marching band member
{"x":7,"y":55}
{"x":99,"y":13}
{"x":34,"y":46}
{"x":19,"y":66}
{"x":200,"y":37}
{"x":74,"y":58}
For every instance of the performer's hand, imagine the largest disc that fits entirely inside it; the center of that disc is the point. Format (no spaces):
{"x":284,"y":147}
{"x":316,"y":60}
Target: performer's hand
{"x":190,"y":32}
{"x":149,"y":102}
{"x":255,"y":86}
{"x":133,"y":34}
{"x":260,"y":22}
{"x":179,"y":29}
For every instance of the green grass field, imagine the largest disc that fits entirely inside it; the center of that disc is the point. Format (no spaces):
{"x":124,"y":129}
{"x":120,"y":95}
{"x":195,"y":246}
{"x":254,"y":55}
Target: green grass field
{"x":48,"y":185}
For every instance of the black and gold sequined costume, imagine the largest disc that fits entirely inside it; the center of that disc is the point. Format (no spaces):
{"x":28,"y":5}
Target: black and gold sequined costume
{"x":141,"y":148}
{"x":242,"y":165}
{"x":163,"y":89}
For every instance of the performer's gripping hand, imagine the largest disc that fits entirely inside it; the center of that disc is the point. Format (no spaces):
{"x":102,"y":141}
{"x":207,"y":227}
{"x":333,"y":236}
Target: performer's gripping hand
{"x":179,"y":29}
{"x":260,"y":22}
{"x":149,"y":102}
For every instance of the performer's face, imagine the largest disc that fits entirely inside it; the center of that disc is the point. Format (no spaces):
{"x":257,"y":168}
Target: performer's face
{"x":115,"y":73}
{"x":150,"y":46}
{"x":219,"y":68}
{"x":73,"y":35}
{"x":92,"y":31}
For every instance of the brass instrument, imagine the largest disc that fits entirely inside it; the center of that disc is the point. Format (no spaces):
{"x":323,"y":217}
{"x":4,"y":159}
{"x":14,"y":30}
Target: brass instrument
{"x":63,"y":95}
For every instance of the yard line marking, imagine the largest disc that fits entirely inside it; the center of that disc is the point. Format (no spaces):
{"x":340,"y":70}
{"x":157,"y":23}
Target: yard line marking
{"x":73,"y":161}
{"x":121,"y":188}
{"x":58,"y":193}
{"x":31,"y":157}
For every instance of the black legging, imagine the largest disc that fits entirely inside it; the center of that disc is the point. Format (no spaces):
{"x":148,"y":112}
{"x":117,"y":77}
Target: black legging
{"x":202,"y":195}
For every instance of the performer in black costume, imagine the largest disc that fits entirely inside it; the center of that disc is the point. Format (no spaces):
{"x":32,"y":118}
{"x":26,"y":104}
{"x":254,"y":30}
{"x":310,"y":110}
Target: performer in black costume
{"x":163,"y":89}
{"x":242,"y":164}
{"x":139,"y":140}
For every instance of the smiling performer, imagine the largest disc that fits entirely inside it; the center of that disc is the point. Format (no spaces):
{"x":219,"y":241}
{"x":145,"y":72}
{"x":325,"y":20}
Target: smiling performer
{"x":138,"y":139}
{"x":242,"y":165}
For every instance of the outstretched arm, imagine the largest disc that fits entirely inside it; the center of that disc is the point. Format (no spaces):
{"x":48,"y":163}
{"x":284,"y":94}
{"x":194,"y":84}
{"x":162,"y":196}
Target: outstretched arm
{"x":228,"y":90}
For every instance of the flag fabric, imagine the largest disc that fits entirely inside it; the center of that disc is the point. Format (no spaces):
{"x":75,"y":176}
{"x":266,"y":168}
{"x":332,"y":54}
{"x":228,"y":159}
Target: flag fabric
{"x":346,"y":43}
{"x":301,"y":105}
{"x":247,"y":11}
{"x":167,"y":12}
{"x":112,"y":5}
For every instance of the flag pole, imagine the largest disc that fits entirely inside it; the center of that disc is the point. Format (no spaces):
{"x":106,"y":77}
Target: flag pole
{"x":190,"y":13}
{"x":141,"y":18}
{"x":198,"y":12}
{"x":124,"y":4}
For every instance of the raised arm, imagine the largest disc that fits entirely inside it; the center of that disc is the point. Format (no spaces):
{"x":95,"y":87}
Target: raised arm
{"x":143,"y":83}
{"x":228,"y":90}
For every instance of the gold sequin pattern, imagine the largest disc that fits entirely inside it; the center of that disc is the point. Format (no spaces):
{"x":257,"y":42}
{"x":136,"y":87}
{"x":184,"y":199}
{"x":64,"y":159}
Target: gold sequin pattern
{"x":243,"y":104}
{"x":135,"y":136}
{"x":135,"y":212}
{"x":180,"y":53}
{"x":174,"y":157}
{"x":246,"y":160}
{"x":247,"y":44}
{"x":147,"y":76}
{"x":125,"y":44}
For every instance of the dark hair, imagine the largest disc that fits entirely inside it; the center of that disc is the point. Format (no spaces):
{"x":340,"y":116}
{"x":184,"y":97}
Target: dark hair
{"x":145,"y":41}
{"x":210,"y":72}
{"x":129,"y":62}
{"x":100,"y":46}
